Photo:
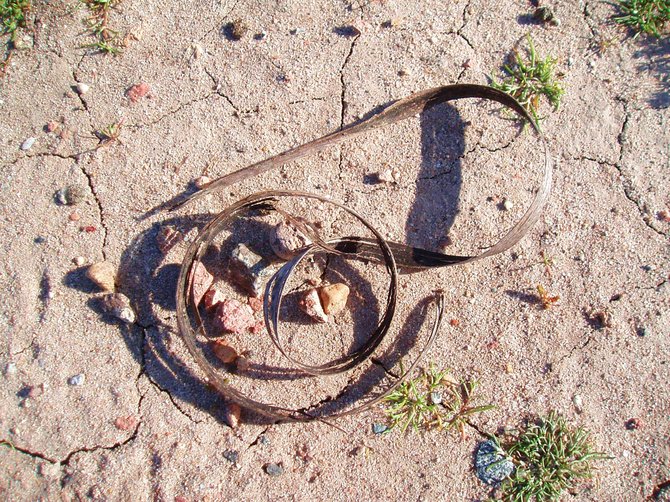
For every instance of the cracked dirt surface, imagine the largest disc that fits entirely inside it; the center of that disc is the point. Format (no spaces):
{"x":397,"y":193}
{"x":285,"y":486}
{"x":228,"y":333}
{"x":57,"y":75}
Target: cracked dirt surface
{"x":216,"y":105}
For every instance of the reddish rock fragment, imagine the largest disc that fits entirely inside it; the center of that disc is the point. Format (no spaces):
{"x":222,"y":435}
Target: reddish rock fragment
{"x":201,"y":282}
{"x":234,"y":317}
{"x":256,"y":304}
{"x":258,"y":327}
{"x":167,"y":238}
{"x":224,"y":352}
{"x":51,"y":126}
{"x":126,"y":423}
{"x":455,"y":322}
{"x":137,"y":92}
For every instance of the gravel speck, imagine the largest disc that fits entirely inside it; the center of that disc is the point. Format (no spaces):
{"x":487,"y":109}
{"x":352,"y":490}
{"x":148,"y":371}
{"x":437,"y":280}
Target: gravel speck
{"x":231,"y":456}
{"x":273,"y":469}
{"x":76,"y":380}
{"x":578,"y":402}
{"x":82,"y":88}
{"x":10,"y":369}
{"x":378,"y":428}
{"x":28,"y":144}
{"x":492,"y":467}
{"x":508,"y":205}
{"x":435,"y":397}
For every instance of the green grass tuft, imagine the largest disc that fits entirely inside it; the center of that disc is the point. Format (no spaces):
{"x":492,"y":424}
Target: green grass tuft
{"x":644,"y":16}
{"x":432,"y":400}
{"x":529,"y":79}
{"x":549,"y":457}
{"x":13,"y":16}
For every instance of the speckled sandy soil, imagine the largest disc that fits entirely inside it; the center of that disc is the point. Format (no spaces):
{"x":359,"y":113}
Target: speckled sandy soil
{"x":301,"y":71}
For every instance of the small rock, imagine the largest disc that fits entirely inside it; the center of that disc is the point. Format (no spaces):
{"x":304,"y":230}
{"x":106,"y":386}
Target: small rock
{"x":71,"y":195}
{"x":242,"y":363}
{"x":256,"y":304}
{"x":10,"y":369}
{"x":578,"y":402}
{"x":509,"y":368}
{"x":201,"y":280}
{"x":633,"y":424}
{"x":231,"y":456}
{"x":264,"y":440}
{"x":237,"y":29}
{"x":137,"y":92}
{"x":642,"y":331}
{"x":389,"y":175}
{"x":310,"y":304}
{"x":508,"y":205}
{"x":212,"y":298}
{"x":224,"y":352}
{"x":297,"y":31}
{"x":28,"y":144}
{"x":663,"y":216}
{"x":232,"y":415}
{"x":286,"y":240}
{"x":403,"y":73}
{"x":378,"y":428}
{"x":82,"y":88}
{"x":167,"y":238}
{"x":201,"y":182}
{"x":126,"y":423}
{"x":546,"y":15}
{"x":51,"y":126}
{"x":249,"y":270}
{"x":74,"y":216}
{"x":492,"y":466}
{"x":234,"y":317}
{"x":257,"y":328}
{"x":273,"y":469}
{"x":262,"y":35}
{"x":435,"y":397}
{"x":77,"y":380}
{"x":103,"y":274}
{"x":334,"y":297}
{"x":119,"y":306}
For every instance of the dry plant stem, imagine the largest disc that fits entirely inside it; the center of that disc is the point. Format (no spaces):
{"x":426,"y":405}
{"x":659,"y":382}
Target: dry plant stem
{"x":377,"y":249}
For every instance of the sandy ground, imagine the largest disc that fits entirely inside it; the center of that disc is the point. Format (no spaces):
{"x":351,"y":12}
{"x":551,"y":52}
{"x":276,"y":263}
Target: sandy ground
{"x":216,"y":105}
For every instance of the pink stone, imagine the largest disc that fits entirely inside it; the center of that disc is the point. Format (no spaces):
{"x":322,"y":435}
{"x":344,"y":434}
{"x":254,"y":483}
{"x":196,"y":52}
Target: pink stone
{"x":310,"y":304}
{"x":201,"y":282}
{"x":137,"y":92}
{"x":234,"y":317}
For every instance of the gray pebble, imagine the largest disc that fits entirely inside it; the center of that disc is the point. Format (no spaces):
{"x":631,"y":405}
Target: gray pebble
{"x":435,"y":397}
{"x":491,"y":464}
{"x":28,"y":144}
{"x":10,"y":369}
{"x":249,"y":270}
{"x":378,"y":428}
{"x":264,"y":440}
{"x":273,"y":469}
{"x":76,"y":380}
{"x":231,"y":456}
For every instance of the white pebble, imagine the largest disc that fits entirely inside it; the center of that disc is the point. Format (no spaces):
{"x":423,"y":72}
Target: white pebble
{"x":508,"y":205}
{"x":10,"y":369}
{"x":79,"y":261}
{"x":82,"y":88}
{"x":578,"y":402}
{"x":28,"y":144}
{"x":77,"y":380}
